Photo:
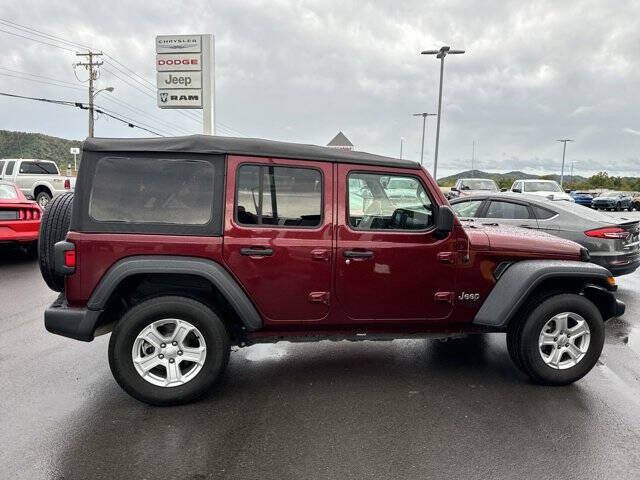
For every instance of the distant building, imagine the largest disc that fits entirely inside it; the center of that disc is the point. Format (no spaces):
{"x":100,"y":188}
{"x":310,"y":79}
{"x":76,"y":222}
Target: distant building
{"x":340,"y":142}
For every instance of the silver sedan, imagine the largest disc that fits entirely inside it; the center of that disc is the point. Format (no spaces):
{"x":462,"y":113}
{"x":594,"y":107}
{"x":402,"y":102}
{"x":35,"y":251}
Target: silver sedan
{"x":612,"y":242}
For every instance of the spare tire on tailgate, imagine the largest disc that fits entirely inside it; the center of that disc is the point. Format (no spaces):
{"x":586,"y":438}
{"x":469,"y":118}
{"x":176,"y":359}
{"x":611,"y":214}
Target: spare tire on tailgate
{"x":53,"y":228}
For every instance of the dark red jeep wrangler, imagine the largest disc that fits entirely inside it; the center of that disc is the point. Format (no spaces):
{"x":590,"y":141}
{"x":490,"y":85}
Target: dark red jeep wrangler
{"x":183,"y":247}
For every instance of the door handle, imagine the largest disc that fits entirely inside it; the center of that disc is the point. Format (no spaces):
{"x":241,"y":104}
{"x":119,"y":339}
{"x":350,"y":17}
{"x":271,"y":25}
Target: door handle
{"x":256,"y":252}
{"x":321,"y":254}
{"x":358,"y":253}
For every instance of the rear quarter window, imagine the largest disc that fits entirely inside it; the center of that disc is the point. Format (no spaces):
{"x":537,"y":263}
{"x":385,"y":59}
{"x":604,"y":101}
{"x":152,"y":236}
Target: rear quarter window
{"x":150,"y":193}
{"x":147,"y":190}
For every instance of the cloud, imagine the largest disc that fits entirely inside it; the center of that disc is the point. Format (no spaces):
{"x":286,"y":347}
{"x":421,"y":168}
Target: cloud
{"x":631,"y":131}
{"x":302,"y":70}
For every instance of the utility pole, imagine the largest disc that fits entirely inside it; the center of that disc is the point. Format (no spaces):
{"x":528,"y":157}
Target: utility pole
{"x":473,"y":157}
{"x":401,"y":142}
{"x":443,"y":52}
{"x":572,"y":163}
{"x":564,"y":151}
{"x":424,"y":116}
{"x":91,"y":66}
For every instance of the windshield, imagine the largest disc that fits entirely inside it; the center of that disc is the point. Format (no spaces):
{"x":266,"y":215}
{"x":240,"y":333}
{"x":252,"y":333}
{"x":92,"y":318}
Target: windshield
{"x":479,"y":185}
{"x":7,"y":192}
{"x":610,"y":194}
{"x":542,"y":187}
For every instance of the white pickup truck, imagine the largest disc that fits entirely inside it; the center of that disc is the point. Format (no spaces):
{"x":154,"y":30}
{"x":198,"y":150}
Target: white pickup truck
{"x":38,"y":179}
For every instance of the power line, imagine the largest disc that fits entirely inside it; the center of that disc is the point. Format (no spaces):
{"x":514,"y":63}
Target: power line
{"x":139,"y":111}
{"x":40,"y":81}
{"x":39,"y":41}
{"x":38,"y":76}
{"x":81,"y":105}
{"x":40,"y":33}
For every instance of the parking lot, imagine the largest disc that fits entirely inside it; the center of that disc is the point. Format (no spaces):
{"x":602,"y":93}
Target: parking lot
{"x":401,"y":409}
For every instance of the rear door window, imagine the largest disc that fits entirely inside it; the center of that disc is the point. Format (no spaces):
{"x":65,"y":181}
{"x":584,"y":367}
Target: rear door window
{"x":285,"y":197}
{"x":9,"y":170}
{"x":507,"y":210}
{"x":152,"y":191}
{"x":38,"y":168}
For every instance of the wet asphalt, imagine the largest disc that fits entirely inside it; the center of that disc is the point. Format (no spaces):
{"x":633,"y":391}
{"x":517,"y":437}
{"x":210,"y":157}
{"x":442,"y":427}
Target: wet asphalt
{"x":376,"y":410}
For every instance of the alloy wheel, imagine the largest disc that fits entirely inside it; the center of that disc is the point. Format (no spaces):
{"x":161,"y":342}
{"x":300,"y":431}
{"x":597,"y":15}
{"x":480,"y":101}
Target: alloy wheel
{"x":169,"y":352}
{"x":564,"y":340}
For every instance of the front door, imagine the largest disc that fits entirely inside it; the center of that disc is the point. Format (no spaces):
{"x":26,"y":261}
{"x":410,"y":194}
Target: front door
{"x":279,"y":235}
{"x":390,"y":265}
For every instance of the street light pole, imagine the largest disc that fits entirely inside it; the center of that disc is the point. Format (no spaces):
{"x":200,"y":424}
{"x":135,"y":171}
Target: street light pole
{"x":564,"y":151}
{"x":92,"y":96}
{"x":424,"y":116}
{"x":401,"y":142}
{"x":443,"y":52}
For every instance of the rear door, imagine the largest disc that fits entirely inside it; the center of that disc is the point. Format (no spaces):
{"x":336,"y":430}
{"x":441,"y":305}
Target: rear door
{"x":508,"y":212}
{"x":279,"y":235}
{"x":390,"y":266}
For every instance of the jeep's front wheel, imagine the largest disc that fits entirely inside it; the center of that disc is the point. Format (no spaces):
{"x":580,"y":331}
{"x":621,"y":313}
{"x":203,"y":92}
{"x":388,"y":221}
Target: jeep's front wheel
{"x":560,"y":340}
{"x":168,"y":350}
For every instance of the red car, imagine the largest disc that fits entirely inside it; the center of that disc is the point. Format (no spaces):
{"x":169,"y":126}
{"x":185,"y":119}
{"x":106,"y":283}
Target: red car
{"x":19,"y":217}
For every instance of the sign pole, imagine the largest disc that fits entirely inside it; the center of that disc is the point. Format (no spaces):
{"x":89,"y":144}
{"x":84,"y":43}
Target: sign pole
{"x":208,"y":85}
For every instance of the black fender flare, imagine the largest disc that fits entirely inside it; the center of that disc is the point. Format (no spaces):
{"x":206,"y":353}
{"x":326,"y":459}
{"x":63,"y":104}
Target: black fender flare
{"x":519,"y":281}
{"x":203,"y":267}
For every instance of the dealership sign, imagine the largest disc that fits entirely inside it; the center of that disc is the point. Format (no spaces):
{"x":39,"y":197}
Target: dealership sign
{"x":184,"y":74}
{"x":179,"y":79}
{"x":188,"y":98}
{"x":166,"y":62}
{"x":178,"y":44}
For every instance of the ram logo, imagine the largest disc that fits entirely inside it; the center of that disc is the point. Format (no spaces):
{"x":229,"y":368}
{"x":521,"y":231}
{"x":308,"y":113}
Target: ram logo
{"x":163,"y":97}
{"x":474,"y":297}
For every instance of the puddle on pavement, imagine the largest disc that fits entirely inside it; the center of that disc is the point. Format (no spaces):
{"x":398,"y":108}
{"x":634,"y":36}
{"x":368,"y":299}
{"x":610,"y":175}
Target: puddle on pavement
{"x":621,"y":332}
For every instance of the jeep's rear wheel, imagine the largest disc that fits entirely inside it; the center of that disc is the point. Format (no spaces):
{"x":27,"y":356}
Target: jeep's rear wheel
{"x":168,"y":350}
{"x":54,"y":226}
{"x":560,"y":341}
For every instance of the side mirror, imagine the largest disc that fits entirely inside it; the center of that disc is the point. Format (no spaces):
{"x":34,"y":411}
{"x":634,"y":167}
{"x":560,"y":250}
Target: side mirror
{"x":444,"y":221}
{"x":503,"y":189}
{"x":567,"y":191}
{"x":516,"y":190}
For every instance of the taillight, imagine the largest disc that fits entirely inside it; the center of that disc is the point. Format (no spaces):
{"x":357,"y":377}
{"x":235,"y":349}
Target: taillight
{"x":70,"y":258}
{"x":67,"y":184}
{"x":615,"y":233}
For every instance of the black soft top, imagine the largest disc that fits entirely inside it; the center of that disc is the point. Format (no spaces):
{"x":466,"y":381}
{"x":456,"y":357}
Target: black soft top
{"x":207,"y":144}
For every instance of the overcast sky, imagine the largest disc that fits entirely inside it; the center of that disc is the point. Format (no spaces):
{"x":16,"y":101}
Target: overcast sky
{"x":303,"y":70}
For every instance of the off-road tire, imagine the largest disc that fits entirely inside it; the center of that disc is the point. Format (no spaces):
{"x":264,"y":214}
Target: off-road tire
{"x":139,"y":317}
{"x":54,"y":226}
{"x":522,"y":339}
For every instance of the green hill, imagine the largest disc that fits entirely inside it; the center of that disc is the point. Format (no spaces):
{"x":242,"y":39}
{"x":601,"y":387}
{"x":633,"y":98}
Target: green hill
{"x":37,"y":145}
{"x":503,"y":176}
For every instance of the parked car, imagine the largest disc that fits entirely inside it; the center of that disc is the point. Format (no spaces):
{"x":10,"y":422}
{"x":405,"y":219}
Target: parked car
{"x":470,"y":186}
{"x":612,"y":242}
{"x":612,"y":201}
{"x":182,"y":247}
{"x":544,"y":188}
{"x":19,"y":217}
{"x":635,"y":204}
{"x":582,"y":198}
{"x":37,"y":179}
